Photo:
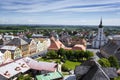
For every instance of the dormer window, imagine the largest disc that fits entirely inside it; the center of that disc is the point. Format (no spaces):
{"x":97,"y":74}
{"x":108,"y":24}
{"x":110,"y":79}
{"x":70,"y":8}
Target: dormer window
{"x":23,"y":65}
{"x":17,"y":69}
{"x":7,"y":73}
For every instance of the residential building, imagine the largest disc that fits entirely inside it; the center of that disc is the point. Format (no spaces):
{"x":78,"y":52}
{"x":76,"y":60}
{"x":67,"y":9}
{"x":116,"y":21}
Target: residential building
{"x":50,"y":76}
{"x":15,"y":52}
{"x":42,"y":44}
{"x":92,"y":70}
{"x":11,"y":70}
{"x":112,"y":48}
{"x":22,"y":44}
{"x":8,"y":37}
{"x":55,"y":44}
{"x":7,"y":55}
{"x":79,"y":47}
{"x":32,"y":46}
{"x":1,"y":57}
{"x":41,"y":66}
{"x":100,"y":39}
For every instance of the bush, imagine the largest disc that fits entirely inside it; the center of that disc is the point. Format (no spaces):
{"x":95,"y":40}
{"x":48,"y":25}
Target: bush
{"x":113,"y":61}
{"x":58,"y":61}
{"x":22,"y":77}
{"x":52,"y":54}
{"x":104,"y":62}
{"x":64,"y":68}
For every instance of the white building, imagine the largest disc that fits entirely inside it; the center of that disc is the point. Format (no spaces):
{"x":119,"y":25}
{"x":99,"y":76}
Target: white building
{"x":1,"y":57}
{"x":100,"y":38}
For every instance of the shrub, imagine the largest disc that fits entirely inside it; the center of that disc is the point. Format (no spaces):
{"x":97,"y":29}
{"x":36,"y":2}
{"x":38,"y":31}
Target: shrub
{"x":104,"y":62}
{"x":64,"y":68}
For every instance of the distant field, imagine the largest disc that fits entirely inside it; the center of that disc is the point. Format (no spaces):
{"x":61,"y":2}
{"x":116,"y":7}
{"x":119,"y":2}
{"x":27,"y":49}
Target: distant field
{"x":10,"y":30}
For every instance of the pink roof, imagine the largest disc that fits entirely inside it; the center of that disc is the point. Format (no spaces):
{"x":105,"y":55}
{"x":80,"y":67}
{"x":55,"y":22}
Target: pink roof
{"x":79,"y":47}
{"x":55,"y":44}
{"x":13,"y":68}
{"x":40,"y":65}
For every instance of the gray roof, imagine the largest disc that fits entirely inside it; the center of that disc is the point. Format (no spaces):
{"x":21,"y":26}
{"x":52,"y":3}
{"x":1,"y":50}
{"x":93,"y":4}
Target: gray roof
{"x":94,"y":71}
{"x":27,"y":40}
{"x":17,"y":42}
{"x":81,"y":70}
{"x":111,"y":72}
{"x":111,"y":48}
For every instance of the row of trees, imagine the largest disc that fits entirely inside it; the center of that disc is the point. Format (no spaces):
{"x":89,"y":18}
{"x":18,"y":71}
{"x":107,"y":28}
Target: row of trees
{"x":75,"y":55}
{"x":110,"y":62}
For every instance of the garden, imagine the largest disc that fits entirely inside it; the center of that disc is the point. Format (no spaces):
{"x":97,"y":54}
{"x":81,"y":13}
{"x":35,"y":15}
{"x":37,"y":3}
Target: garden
{"x":68,"y":58}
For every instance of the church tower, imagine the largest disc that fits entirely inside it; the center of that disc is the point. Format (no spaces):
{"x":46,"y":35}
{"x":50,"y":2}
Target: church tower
{"x":100,"y":38}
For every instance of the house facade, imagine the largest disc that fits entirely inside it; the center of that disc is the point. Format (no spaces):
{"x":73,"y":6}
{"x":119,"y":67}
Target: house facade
{"x":22,"y":44}
{"x":1,"y":57}
{"x":32,"y":47}
{"x":15,"y":52}
{"x":7,"y":55}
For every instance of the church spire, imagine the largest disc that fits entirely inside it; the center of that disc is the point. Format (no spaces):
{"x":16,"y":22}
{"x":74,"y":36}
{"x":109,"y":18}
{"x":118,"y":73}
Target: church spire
{"x":100,"y":25}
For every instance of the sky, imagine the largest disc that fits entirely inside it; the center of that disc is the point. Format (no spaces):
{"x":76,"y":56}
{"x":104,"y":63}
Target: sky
{"x":61,"y":12}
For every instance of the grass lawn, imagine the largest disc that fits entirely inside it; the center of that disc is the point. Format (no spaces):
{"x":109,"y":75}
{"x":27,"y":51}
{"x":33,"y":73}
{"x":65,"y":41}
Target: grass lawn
{"x":71,"y":64}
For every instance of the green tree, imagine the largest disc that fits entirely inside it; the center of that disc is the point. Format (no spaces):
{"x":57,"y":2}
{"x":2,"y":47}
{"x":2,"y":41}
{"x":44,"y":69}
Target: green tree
{"x":104,"y":62}
{"x":52,"y":54}
{"x":61,"y":52}
{"x":28,"y":35}
{"x":88,"y":54}
{"x":113,"y":61}
{"x":22,"y":77}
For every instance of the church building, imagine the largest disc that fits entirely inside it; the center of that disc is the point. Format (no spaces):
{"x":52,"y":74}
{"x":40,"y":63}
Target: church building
{"x":100,"y":38}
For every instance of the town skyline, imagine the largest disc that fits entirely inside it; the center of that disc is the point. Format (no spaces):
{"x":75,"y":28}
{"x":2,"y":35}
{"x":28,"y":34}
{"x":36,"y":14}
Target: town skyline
{"x":60,"y":12}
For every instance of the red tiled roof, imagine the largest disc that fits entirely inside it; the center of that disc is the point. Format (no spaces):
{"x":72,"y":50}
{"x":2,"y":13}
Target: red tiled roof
{"x":55,"y":44}
{"x":79,"y":47}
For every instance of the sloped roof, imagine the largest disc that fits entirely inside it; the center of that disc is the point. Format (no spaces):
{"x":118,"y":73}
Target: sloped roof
{"x":109,"y":49}
{"x":111,"y":72}
{"x":46,"y":66}
{"x":7,"y":47}
{"x":79,"y":47}
{"x":27,"y":40}
{"x":93,"y":71}
{"x":17,"y":42}
{"x":50,"y":76}
{"x":9,"y":70}
{"x":55,"y":44}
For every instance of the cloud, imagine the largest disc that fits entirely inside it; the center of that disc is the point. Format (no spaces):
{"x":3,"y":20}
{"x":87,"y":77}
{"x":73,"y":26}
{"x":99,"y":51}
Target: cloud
{"x":32,"y":6}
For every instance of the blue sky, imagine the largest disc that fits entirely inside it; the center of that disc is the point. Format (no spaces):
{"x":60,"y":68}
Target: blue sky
{"x":69,"y":12}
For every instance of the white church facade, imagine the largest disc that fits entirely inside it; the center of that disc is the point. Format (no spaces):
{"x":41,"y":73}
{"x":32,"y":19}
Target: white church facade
{"x":100,"y":38}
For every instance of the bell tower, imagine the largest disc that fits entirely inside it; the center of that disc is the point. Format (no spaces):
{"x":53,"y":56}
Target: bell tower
{"x":100,"y":38}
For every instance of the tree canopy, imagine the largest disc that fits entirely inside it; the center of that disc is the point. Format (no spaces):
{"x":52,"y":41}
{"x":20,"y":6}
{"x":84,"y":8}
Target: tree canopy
{"x":113,"y":61}
{"x":104,"y":62}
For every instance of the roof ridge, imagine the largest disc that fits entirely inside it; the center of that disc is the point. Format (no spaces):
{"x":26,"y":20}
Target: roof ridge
{"x":99,"y":66}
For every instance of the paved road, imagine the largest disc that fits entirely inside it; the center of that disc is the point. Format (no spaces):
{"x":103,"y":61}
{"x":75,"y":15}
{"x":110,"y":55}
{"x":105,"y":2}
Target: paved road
{"x":41,"y":53}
